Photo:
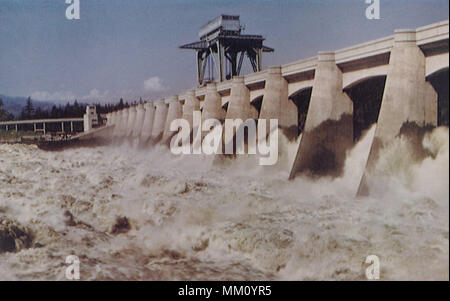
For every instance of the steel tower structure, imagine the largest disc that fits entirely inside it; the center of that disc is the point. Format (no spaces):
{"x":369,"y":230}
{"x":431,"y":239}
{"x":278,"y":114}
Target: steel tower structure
{"x":222,"y":48}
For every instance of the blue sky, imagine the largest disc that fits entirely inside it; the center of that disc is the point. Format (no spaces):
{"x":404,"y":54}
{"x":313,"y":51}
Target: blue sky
{"x":129,"y":48}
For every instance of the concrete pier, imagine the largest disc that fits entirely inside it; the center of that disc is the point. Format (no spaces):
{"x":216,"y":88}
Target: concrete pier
{"x":407,"y":98}
{"x":140,"y":115}
{"x":329,"y":125}
{"x":191,"y":104}
{"x":147,"y":125}
{"x":175,"y":111}
{"x":113,"y":116}
{"x":212,"y":107}
{"x":275,"y":104}
{"x":117,"y":123}
{"x":159,"y":120}
{"x":131,"y":121}
{"x":239,"y":106}
{"x":123,"y":123}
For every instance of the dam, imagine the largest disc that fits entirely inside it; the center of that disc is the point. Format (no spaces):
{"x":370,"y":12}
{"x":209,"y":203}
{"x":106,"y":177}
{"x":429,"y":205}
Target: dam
{"x":320,"y":163}
{"x":329,"y":99}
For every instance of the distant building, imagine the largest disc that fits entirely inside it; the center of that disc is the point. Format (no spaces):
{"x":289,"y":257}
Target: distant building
{"x":90,"y":118}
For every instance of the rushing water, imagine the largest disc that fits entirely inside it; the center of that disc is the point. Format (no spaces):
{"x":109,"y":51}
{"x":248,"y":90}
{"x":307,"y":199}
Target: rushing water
{"x":199,"y":218}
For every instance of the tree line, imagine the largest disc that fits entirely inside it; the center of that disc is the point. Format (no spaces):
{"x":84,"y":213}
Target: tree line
{"x":75,"y":110}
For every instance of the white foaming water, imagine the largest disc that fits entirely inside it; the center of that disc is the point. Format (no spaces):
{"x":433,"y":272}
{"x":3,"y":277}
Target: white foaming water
{"x":200,"y":217}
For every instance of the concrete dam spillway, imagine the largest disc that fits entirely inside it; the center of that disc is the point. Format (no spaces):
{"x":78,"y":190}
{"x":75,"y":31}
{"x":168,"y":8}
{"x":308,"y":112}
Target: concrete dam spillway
{"x":399,"y":83}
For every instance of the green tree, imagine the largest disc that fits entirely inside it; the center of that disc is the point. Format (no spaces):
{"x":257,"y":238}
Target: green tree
{"x":121,"y":105}
{"x":28,"y":110}
{"x":5,"y":115}
{"x":2,"y":112}
{"x":76,"y":109}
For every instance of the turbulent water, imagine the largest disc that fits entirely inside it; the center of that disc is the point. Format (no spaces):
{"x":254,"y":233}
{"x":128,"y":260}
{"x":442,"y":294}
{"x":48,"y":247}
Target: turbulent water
{"x":200,"y":218}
